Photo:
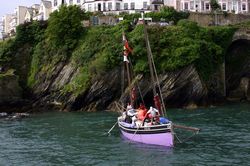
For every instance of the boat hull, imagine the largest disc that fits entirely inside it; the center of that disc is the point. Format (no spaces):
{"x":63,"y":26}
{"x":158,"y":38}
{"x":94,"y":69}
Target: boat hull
{"x":159,"y":135}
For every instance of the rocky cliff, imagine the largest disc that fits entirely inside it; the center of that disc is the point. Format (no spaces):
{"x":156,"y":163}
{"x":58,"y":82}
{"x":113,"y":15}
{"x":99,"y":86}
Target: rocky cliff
{"x":81,"y":72}
{"x":180,"y":88}
{"x":10,"y":91}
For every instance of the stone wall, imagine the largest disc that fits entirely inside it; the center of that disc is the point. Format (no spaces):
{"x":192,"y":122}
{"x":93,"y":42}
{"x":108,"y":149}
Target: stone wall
{"x":208,"y":19}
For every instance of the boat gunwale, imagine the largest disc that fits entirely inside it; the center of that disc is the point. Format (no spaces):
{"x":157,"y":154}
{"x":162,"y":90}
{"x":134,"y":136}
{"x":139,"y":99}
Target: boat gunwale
{"x":154,"y":128}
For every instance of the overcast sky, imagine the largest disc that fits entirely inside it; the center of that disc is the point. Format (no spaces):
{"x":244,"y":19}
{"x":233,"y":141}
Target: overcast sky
{"x":8,"y":6}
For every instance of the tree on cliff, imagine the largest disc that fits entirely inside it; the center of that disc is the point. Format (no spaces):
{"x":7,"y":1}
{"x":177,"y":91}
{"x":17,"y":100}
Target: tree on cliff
{"x":214,"y":5}
{"x":168,"y":14}
{"x":65,"y":27}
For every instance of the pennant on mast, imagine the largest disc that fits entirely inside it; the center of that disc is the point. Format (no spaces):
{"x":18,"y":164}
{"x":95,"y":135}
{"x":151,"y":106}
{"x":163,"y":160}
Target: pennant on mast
{"x":126,"y":48}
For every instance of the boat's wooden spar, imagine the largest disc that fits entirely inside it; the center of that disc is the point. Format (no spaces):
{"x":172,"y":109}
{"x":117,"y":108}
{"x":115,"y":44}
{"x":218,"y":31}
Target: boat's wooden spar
{"x":186,"y":128}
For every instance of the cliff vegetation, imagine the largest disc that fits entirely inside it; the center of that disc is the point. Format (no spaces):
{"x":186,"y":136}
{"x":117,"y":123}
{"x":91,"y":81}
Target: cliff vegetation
{"x":64,"y":59}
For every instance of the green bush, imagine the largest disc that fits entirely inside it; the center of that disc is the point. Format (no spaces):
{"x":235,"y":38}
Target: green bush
{"x":214,"y":5}
{"x":6,"y":50}
{"x":174,"y":47}
{"x":36,"y":63}
{"x":168,"y":14}
{"x":103,"y":43}
{"x":30,"y":32}
{"x":65,"y":27}
{"x":215,"y":42}
{"x":79,"y":83}
{"x":130,"y":17}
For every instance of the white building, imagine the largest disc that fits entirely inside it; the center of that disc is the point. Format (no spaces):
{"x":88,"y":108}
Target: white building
{"x":234,"y":6}
{"x":9,"y":23}
{"x":117,"y":6}
{"x":20,"y":14}
{"x":30,"y":13}
{"x":57,"y":3}
{"x":132,"y":6}
{"x":45,"y":9}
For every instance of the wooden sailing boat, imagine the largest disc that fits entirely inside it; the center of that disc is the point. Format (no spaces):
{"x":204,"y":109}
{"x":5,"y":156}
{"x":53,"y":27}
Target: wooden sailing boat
{"x":157,"y":130}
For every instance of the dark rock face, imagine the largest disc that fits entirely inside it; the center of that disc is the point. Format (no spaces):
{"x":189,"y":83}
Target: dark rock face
{"x":184,"y":87}
{"x":241,"y":92}
{"x":238,"y":70}
{"x":10,"y":91}
{"x":179,"y":88}
{"x":101,"y":93}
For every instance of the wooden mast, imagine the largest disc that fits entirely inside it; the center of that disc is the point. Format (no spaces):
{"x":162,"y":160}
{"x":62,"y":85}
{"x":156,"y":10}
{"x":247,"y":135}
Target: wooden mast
{"x":152,"y":70}
{"x":126,"y":63}
{"x":149,"y":53}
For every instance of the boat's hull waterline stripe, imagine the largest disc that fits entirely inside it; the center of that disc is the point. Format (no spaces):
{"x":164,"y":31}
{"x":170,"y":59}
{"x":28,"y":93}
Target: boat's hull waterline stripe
{"x":156,"y":135}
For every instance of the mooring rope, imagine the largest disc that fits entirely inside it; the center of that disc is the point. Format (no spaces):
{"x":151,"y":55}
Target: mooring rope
{"x":186,"y":139}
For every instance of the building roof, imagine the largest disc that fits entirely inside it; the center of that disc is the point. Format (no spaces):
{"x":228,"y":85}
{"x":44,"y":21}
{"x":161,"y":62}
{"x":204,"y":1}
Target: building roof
{"x":35,"y":6}
{"x":47,"y":4}
{"x":30,"y":10}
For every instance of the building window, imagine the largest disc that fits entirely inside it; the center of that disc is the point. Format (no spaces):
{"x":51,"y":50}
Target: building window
{"x":125,"y":6}
{"x":145,"y":5}
{"x":104,"y":6}
{"x":207,"y":6}
{"x":186,"y":6}
{"x":78,"y":1}
{"x":244,"y":7}
{"x":132,"y":5}
{"x":110,"y":6}
{"x":191,"y":5}
{"x":118,"y":6}
{"x":224,"y":6}
{"x":89,"y":7}
{"x":55,"y":2}
{"x":71,"y":2}
{"x":99,"y":6}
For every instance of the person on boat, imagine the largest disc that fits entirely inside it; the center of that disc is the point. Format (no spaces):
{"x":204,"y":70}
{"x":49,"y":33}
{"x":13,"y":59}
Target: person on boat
{"x":134,"y":119}
{"x":153,"y":114}
{"x":141,"y":112}
{"x":130,"y":112}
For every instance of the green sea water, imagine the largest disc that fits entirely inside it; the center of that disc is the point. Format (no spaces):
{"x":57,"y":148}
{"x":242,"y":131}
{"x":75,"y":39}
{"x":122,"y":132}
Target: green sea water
{"x":55,"y":138}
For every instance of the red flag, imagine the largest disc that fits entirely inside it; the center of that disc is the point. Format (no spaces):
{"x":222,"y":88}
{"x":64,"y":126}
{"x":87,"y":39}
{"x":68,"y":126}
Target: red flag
{"x":129,"y":50}
{"x":126,"y":48}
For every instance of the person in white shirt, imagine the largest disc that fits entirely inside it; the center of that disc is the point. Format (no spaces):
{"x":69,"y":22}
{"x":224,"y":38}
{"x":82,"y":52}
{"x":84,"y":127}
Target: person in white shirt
{"x":130,"y":113}
{"x":153,"y":113}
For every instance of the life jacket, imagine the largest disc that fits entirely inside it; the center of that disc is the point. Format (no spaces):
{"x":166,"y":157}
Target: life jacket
{"x":141,"y":114}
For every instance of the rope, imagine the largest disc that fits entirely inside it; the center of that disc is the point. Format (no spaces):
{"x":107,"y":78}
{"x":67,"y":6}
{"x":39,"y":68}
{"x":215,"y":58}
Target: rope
{"x":122,"y":79}
{"x":121,"y":107}
{"x":186,"y":139}
{"x":158,"y":84}
{"x":177,"y":138}
{"x":130,"y":140}
{"x":112,"y":128}
{"x":139,"y":89}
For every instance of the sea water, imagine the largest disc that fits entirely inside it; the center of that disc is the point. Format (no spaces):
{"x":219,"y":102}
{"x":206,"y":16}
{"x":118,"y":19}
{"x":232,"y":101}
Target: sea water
{"x":57,"y":138}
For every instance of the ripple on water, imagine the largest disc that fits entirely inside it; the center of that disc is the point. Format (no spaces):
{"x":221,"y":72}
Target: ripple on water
{"x":79,"y":139}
